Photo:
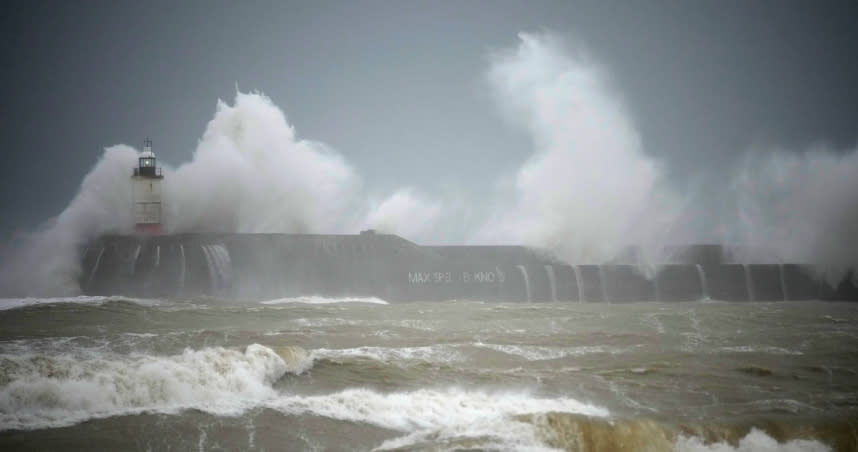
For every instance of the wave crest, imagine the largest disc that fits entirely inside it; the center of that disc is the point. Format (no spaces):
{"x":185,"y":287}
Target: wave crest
{"x":41,"y":391}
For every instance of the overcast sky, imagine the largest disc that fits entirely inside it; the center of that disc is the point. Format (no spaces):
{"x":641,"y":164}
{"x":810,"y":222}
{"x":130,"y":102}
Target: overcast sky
{"x":399,"y":87}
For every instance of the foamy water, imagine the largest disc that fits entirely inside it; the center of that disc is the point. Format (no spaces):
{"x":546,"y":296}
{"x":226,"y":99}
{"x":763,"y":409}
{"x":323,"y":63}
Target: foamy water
{"x":602,"y":377}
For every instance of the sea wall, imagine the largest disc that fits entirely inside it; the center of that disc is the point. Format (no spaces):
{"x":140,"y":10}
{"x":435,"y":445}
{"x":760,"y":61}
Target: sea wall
{"x":265,"y":266}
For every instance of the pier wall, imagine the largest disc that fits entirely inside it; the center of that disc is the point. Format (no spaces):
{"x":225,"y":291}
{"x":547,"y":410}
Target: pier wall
{"x":267,"y":266}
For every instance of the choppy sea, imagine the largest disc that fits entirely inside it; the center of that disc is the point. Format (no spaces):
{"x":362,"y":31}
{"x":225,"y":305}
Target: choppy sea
{"x":112,"y":373}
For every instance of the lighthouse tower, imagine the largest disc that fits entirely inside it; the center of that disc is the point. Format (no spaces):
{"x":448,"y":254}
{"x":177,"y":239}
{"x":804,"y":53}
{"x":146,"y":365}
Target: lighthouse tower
{"x":147,"y":193}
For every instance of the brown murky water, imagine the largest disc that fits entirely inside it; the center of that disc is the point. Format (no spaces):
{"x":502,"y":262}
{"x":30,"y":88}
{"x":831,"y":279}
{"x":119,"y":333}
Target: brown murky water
{"x":309,"y":374}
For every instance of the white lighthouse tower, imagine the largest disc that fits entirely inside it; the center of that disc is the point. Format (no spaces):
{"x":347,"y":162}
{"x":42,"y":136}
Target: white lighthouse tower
{"x":147,"y":193}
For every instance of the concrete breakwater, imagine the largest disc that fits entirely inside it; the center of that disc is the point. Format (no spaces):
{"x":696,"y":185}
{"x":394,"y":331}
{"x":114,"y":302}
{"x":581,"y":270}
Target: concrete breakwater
{"x":265,"y":266}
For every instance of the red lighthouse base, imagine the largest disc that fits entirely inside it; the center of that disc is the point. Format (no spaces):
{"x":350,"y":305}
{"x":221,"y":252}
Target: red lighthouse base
{"x":148,"y":228}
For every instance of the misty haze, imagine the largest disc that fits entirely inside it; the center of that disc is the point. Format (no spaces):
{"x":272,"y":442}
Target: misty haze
{"x":429,"y":226}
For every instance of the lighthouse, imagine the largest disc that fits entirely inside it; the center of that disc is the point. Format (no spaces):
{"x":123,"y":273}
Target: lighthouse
{"x":147,"y":193}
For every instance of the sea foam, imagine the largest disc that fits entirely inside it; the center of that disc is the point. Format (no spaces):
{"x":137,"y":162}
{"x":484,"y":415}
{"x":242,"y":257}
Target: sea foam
{"x":452,"y":417}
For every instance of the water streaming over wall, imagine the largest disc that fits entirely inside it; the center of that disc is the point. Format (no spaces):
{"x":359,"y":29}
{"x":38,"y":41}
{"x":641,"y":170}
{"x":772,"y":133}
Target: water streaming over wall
{"x":579,"y":283}
{"x":182,"y":266}
{"x":134,"y":257}
{"x":95,"y":267}
{"x":704,"y":286}
{"x":552,"y":281}
{"x":219,"y":266}
{"x":527,"y":291}
{"x":749,"y":283}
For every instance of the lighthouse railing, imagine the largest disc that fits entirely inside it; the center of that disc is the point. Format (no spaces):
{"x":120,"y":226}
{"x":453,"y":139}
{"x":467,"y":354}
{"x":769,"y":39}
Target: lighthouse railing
{"x":148,"y":172}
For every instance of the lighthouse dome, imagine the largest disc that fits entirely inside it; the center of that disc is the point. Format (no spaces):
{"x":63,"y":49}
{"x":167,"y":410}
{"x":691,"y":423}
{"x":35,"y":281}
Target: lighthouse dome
{"x":147,"y":150}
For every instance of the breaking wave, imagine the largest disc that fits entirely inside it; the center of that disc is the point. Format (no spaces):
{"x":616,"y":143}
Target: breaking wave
{"x":41,"y":391}
{"x":584,"y":429}
{"x":432,"y":413}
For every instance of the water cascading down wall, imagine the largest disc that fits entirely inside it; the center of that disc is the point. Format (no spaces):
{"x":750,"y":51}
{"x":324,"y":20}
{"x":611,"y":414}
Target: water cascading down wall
{"x":267,"y":266}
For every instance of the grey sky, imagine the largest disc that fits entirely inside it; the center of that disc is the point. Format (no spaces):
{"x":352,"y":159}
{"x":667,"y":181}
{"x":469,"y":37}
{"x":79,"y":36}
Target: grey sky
{"x":397,"y":87}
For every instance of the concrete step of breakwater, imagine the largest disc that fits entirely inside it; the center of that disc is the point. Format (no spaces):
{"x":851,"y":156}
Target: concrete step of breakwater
{"x":267,"y":266}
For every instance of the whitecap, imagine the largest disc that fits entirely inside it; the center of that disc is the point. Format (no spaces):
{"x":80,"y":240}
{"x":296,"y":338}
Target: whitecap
{"x":772,"y":350}
{"x":324,"y":300}
{"x":542,"y":353}
{"x":397,"y":355}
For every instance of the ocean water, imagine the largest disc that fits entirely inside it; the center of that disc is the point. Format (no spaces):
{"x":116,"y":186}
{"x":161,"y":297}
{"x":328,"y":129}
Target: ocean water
{"x":112,"y":373}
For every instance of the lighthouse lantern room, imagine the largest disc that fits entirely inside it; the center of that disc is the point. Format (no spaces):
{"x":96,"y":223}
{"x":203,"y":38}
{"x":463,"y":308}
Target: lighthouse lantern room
{"x":147,"y":193}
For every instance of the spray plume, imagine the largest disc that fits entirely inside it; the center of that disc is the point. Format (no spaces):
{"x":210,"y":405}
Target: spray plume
{"x":588,"y":190}
{"x":250,"y":173}
{"x":46,"y":263}
{"x":405,"y":213}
